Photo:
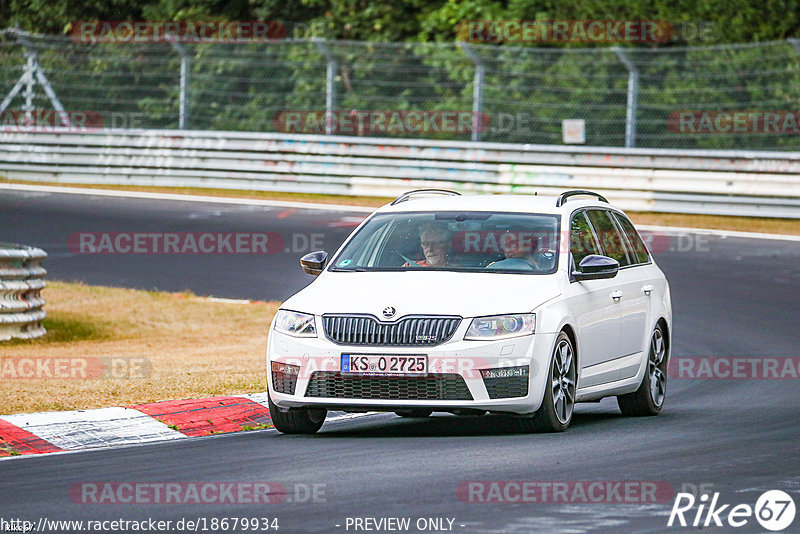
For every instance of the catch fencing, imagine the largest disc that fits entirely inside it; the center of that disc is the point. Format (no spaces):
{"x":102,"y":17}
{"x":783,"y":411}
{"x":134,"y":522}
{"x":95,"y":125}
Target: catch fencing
{"x":627,"y":96}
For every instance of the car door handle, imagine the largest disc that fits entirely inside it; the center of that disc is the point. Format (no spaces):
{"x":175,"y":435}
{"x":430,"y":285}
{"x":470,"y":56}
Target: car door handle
{"x":616,"y":295}
{"x":647,"y":289}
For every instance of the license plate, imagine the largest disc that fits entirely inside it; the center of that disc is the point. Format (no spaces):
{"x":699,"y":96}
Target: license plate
{"x":385,"y":364}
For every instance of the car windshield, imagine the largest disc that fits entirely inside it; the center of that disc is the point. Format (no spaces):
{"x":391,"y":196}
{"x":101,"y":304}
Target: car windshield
{"x":475,"y":241}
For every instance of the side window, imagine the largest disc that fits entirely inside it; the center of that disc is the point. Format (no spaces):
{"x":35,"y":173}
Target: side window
{"x":639,"y":251}
{"x":581,"y":240}
{"x":611,"y":241}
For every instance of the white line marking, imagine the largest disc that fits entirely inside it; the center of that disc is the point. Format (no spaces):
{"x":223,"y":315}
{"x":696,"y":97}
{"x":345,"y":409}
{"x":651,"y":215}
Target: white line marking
{"x":344,"y":416}
{"x":102,"y":427}
{"x":334,"y":207}
{"x":718,"y":233}
{"x":185,"y":198}
{"x":227,"y":301}
{"x":262,"y":398}
{"x":114,"y":428}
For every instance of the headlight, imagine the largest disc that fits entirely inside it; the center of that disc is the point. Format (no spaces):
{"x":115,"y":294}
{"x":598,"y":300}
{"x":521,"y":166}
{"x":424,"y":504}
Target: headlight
{"x":295,"y":323}
{"x":501,"y":326}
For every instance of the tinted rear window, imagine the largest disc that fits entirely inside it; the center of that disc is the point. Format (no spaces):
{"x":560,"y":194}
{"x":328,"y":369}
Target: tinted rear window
{"x":639,"y":249}
{"x":611,"y":241}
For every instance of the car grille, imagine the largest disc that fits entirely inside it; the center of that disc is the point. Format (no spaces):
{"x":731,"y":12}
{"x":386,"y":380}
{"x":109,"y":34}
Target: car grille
{"x":335,"y":385}
{"x":502,"y":388}
{"x":284,"y":383}
{"x":410,"y":331}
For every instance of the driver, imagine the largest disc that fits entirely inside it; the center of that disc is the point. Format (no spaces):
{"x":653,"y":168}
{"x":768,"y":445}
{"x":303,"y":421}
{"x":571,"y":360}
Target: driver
{"x":436,"y":242}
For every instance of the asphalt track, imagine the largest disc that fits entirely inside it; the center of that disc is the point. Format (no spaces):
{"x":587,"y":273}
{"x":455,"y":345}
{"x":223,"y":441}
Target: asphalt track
{"x":731,"y":297}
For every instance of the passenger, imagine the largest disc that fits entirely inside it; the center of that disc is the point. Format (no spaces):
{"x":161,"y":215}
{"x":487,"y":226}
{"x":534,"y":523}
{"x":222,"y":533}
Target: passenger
{"x":522,"y":252}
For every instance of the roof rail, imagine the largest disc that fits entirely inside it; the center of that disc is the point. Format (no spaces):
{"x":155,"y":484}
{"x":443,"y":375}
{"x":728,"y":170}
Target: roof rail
{"x":562,"y":198}
{"x":409,"y":194}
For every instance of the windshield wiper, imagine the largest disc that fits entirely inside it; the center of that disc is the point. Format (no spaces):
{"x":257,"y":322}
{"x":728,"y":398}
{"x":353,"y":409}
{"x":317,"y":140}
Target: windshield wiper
{"x":463,"y":216}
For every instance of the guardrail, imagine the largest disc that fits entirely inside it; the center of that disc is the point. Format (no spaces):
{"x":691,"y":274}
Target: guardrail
{"x":749,"y":183}
{"x":21,"y":283}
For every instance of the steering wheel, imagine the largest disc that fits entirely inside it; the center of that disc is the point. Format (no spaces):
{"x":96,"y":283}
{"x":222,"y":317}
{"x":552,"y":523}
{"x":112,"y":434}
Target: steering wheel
{"x":516,"y":264}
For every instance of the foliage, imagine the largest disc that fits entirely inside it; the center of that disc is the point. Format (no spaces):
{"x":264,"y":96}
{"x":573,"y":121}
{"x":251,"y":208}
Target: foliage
{"x":529,"y":88}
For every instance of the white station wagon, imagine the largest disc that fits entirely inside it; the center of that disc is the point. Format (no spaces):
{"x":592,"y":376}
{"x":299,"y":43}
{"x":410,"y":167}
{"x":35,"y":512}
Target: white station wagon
{"x":508,"y":304}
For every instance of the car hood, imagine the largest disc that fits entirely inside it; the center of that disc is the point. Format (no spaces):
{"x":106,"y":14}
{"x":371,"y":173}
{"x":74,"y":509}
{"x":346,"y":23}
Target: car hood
{"x":425,"y":293}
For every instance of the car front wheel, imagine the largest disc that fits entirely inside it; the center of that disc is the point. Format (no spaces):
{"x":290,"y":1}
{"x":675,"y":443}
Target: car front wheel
{"x":649,"y":398}
{"x":297,"y":420}
{"x":555,"y":414}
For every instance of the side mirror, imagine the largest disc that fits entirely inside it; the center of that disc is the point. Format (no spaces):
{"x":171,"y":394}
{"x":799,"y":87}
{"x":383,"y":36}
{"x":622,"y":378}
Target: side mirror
{"x":596,"y":267}
{"x":313,"y":263}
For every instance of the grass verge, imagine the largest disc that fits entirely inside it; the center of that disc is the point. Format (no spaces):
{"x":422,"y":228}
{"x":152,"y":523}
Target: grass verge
{"x":316,"y":198}
{"x":715,"y":222}
{"x":191,"y":348}
{"x":719,"y":222}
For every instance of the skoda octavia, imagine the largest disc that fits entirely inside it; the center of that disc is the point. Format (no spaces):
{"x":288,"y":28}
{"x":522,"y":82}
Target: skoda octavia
{"x":508,"y":304}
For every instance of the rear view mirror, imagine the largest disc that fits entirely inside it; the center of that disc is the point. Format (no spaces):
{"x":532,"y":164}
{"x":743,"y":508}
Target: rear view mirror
{"x":596,"y":267}
{"x":313,"y":263}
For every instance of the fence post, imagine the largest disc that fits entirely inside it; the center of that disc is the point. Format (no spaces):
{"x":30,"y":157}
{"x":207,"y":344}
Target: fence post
{"x":33,"y":73}
{"x":633,"y":97}
{"x":183,"y":107}
{"x":795,"y":44}
{"x":330,"y":84}
{"x":477,"y":90}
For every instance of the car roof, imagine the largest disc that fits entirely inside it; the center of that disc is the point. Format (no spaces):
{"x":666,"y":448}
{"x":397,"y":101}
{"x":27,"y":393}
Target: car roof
{"x":545,"y":204}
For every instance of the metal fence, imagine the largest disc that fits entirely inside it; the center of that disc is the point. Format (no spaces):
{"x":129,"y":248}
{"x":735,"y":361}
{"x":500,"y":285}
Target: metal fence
{"x":759,"y":183}
{"x":626,"y":96}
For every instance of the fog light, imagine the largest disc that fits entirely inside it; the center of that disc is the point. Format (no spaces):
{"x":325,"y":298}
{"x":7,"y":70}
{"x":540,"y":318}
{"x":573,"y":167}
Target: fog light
{"x":284,"y":377}
{"x":285,"y":369}
{"x":505,"y":372}
{"x":506,"y":382}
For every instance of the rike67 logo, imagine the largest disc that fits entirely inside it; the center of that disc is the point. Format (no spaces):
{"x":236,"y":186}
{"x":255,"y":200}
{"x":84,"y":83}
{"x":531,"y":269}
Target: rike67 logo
{"x":774,"y":510}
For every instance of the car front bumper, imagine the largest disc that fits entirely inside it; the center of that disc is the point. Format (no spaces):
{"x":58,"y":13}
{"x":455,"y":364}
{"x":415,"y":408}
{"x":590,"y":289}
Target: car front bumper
{"x":454,"y":381}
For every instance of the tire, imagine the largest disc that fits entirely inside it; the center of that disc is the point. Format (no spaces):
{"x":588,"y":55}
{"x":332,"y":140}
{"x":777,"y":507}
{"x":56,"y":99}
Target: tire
{"x":418,"y":413}
{"x":297,"y":420}
{"x":649,"y":398}
{"x":555,"y":413}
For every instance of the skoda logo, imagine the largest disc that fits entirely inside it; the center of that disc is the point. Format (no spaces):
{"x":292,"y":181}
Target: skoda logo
{"x":388,"y":312}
